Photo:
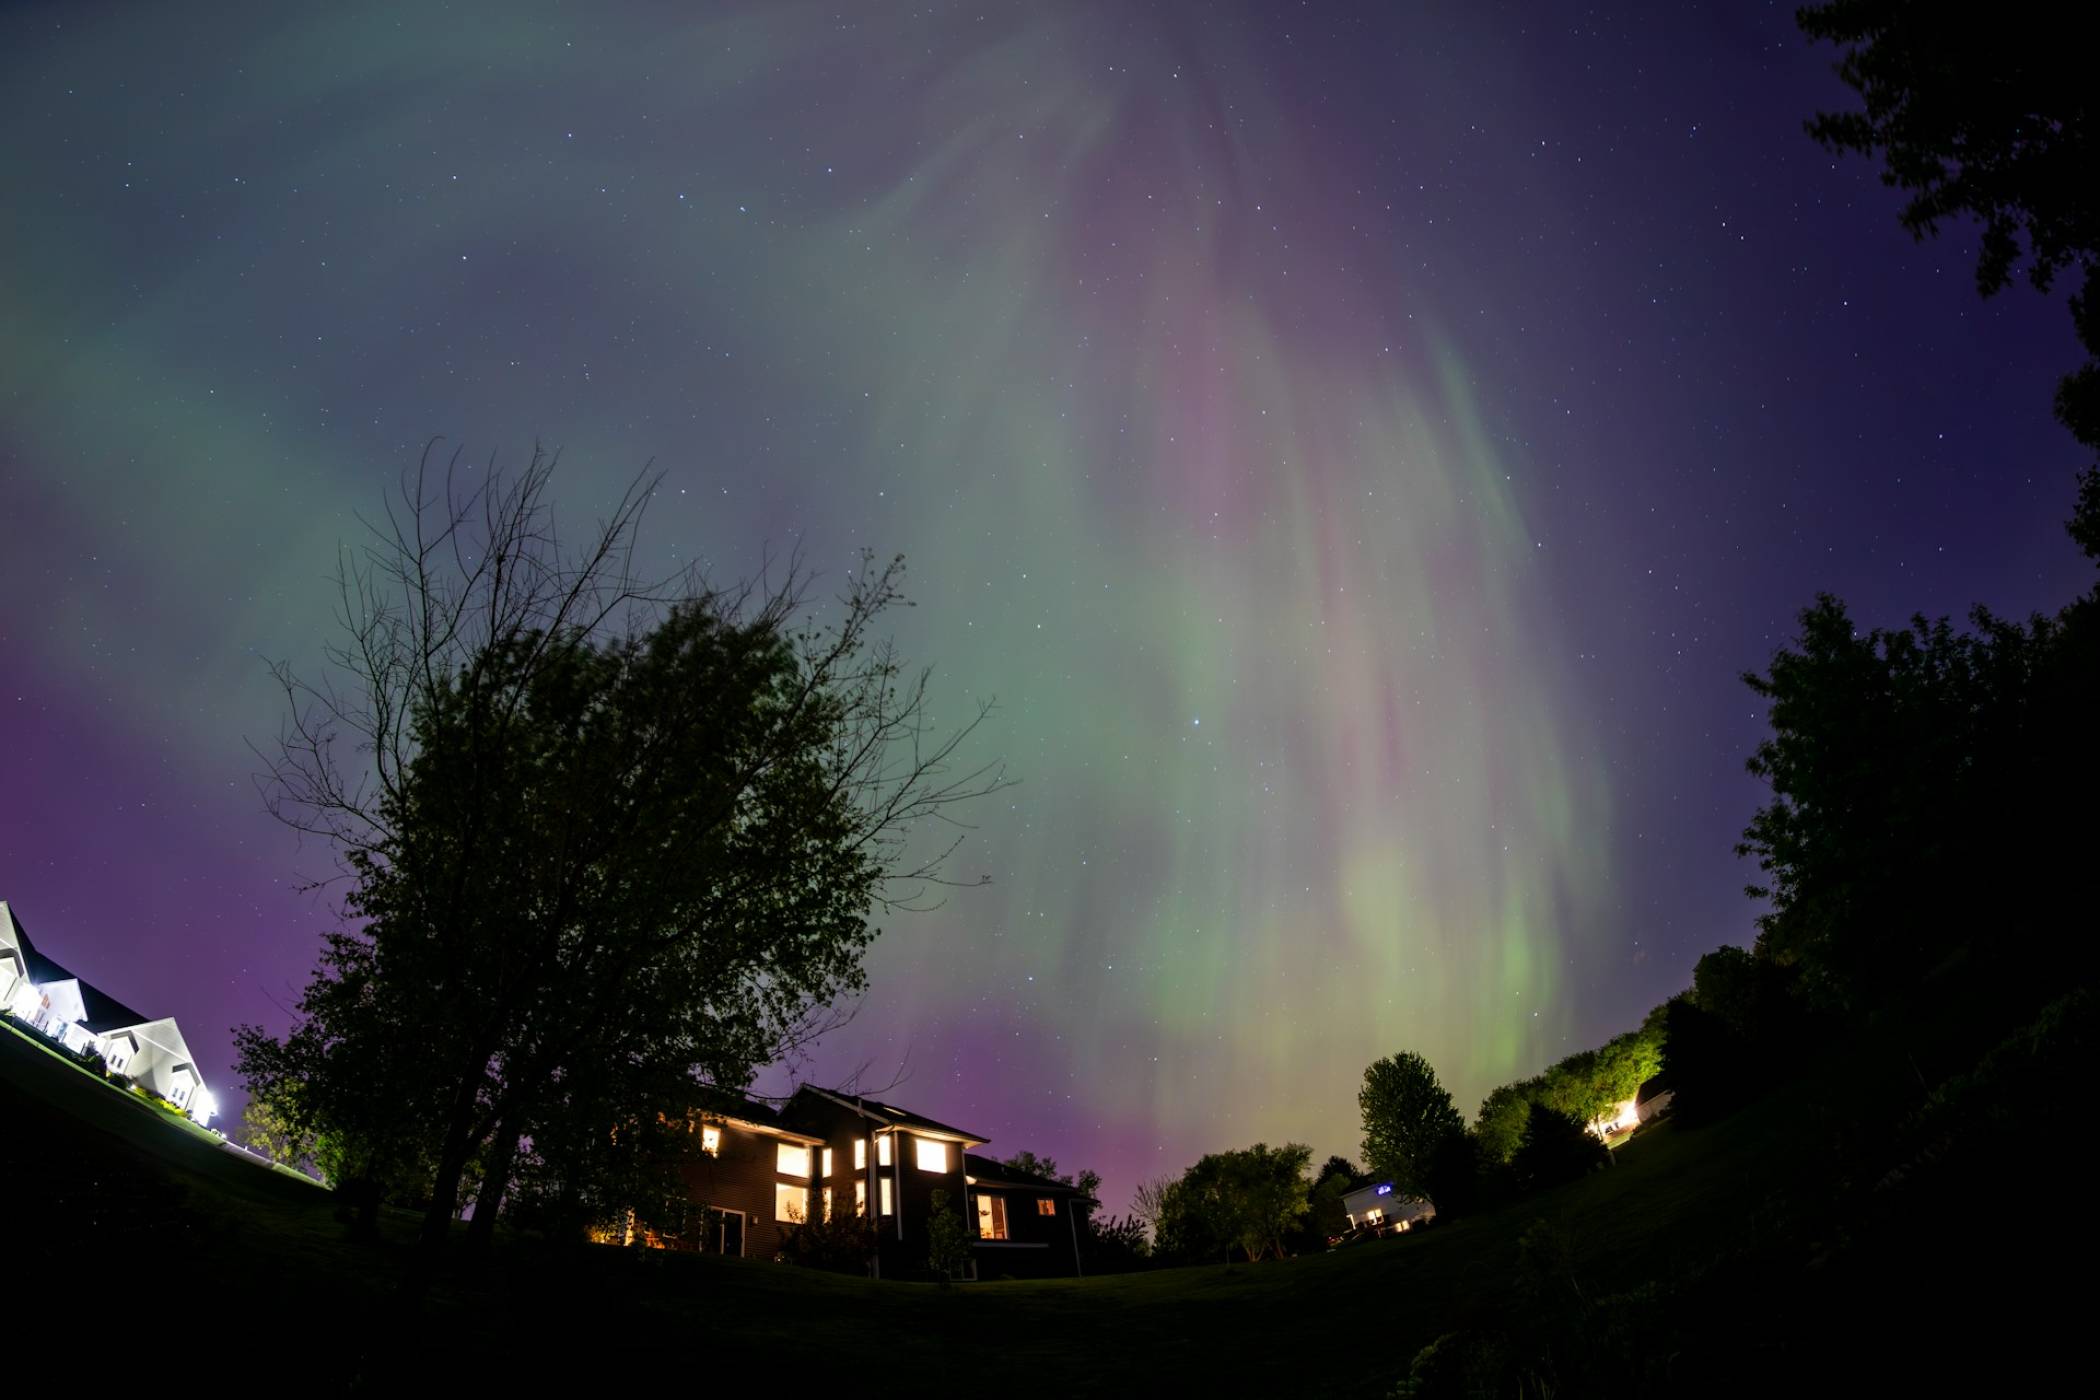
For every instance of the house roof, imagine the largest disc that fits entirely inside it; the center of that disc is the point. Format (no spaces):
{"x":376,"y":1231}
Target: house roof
{"x":889,"y":1115}
{"x":1660,"y":1084}
{"x":750,"y":1113}
{"x":104,"y":1012}
{"x":992,"y":1172}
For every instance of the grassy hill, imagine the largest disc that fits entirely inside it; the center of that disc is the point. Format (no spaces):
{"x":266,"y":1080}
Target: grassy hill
{"x":249,"y":1274}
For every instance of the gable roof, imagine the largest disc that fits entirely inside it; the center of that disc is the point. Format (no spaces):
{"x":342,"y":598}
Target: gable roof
{"x":891,"y":1116}
{"x":992,"y":1172}
{"x":1660,"y":1084}
{"x":730,"y":1107}
{"x":104,"y":1012}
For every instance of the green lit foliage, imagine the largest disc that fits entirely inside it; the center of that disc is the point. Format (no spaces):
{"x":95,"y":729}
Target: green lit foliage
{"x":269,"y":1130}
{"x":1407,"y":1112}
{"x":1585,"y":1086}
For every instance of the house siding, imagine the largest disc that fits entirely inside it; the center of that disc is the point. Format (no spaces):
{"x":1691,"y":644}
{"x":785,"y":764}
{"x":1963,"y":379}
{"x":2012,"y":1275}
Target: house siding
{"x":1036,"y":1245}
{"x":741,"y":1176}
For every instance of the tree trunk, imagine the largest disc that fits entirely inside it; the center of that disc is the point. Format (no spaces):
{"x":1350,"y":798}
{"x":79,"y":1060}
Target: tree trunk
{"x":451,"y":1166}
{"x":495,"y":1181}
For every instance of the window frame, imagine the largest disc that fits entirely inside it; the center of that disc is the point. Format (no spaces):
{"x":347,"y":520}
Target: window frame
{"x":921,"y":1146}
{"x":1046,"y":1205}
{"x":782,"y":1192}
{"x":782,"y":1153}
{"x":991,"y":1217}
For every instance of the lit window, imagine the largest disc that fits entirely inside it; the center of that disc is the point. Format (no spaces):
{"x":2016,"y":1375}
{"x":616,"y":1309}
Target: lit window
{"x":827,"y":1161}
{"x":710,"y":1139}
{"x":882,"y":1150}
{"x":886,"y":1202}
{"x":790,"y":1203}
{"x":1045,"y":1206}
{"x":860,"y":1198}
{"x":860,"y":1154}
{"x":933,"y":1156}
{"x":792,"y":1160}
{"x":827,"y":1203}
{"x":991,"y":1217}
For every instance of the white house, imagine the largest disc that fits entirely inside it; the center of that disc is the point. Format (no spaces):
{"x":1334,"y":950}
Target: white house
{"x":76,"y":1013}
{"x":1654,"y":1097}
{"x":1378,"y":1206}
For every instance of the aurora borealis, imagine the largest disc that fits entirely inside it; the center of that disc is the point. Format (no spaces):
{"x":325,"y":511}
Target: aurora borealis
{"x":1358,"y":445}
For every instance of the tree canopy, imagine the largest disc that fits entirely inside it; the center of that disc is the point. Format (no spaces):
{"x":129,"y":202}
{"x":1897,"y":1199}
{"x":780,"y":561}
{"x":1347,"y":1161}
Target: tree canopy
{"x":1989,"y":118}
{"x":1246,"y":1201}
{"x":610,"y":845}
{"x":1407,"y":1112}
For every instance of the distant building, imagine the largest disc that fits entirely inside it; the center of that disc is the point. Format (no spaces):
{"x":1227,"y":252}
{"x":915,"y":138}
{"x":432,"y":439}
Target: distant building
{"x":1379,"y":1207}
{"x":824,"y":1155}
{"x":69,"y":1009}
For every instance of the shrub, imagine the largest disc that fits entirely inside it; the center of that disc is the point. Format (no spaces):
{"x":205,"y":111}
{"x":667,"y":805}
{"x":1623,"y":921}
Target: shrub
{"x":841,"y":1245}
{"x":1115,"y":1245}
{"x":947,"y":1240}
{"x":91,"y":1060}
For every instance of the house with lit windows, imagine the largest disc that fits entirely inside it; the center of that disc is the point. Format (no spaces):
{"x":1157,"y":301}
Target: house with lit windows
{"x":822,"y":1154}
{"x":64,"y":1007}
{"x":1379,"y":1207}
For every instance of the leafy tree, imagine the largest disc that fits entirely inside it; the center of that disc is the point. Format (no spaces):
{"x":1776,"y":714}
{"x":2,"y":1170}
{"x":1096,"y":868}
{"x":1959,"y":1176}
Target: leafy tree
{"x":1044,"y":1167}
{"x":1149,"y":1205}
{"x":609,"y":843}
{"x":1556,"y":1148}
{"x":1245,"y":1201}
{"x":1464,"y":1176}
{"x":268,"y":1130}
{"x":1989,"y":118}
{"x":1500,"y":1127}
{"x":1708,"y":1064}
{"x":1325,"y":1216}
{"x":1406,"y":1114}
{"x":947,"y":1240}
{"x":1910,"y":770}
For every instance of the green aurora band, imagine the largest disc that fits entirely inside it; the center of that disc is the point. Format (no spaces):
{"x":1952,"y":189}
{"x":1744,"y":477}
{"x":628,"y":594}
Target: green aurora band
{"x":1096,"y":335}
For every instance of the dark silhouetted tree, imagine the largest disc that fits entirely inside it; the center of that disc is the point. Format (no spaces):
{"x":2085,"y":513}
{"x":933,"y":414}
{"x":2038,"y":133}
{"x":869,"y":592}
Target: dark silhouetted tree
{"x":600,"y":833}
{"x":1245,"y":1202}
{"x":1989,"y":118}
{"x":1556,"y":1148}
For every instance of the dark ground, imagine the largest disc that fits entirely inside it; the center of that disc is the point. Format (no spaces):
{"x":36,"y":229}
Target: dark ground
{"x":245,"y":1275}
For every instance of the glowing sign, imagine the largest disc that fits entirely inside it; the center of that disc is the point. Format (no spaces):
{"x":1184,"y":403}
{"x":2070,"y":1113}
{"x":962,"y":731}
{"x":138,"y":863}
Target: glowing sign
{"x":1386,"y":1190}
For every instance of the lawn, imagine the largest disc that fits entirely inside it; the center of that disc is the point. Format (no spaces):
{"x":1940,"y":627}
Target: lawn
{"x":251,"y":1264}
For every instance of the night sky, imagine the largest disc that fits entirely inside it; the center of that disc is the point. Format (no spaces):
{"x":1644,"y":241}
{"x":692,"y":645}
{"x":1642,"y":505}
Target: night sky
{"x":1360,"y":446}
